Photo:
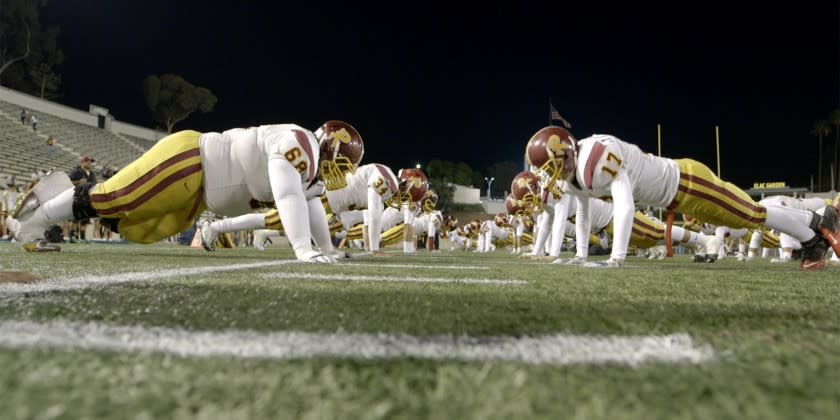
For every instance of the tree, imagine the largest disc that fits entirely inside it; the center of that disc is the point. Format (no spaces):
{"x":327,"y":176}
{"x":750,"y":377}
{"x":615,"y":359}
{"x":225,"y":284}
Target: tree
{"x":455,"y":172}
{"x":28,"y":54}
{"x":445,"y":192}
{"x":821,"y":128}
{"x":503,"y":172}
{"x":172,"y":99}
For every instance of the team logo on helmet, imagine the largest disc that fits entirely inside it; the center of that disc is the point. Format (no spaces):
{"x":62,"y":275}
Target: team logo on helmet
{"x":339,"y":136}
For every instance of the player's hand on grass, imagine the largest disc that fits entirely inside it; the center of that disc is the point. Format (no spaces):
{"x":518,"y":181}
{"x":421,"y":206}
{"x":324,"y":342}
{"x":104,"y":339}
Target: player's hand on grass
{"x":316,"y":257}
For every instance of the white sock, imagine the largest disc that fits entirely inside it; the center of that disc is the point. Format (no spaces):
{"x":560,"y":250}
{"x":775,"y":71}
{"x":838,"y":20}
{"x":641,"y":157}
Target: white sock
{"x":60,"y":208}
{"x":244,"y":222}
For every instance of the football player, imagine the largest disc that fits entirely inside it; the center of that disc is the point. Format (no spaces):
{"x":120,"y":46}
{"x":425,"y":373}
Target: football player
{"x":604,"y":166}
{"x":430,"y":221}
{"x":348,"y":187}
{"x":646,"y":232}
{"x":491,"y":230}
{"x":407,"y":203}
{"x":340,"y":147}
{"x":162,"y":192}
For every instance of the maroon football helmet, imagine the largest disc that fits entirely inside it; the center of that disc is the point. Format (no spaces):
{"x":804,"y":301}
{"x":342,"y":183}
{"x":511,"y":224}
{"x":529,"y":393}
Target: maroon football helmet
{"x":513,"y":206}
{"x":413,"y":185}
{"x":553,"y":152}
{"x":525,"y":187}
{"x":342,"y":149}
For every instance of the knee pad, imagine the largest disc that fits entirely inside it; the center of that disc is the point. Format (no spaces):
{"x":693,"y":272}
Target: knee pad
{"x":81,"y":202}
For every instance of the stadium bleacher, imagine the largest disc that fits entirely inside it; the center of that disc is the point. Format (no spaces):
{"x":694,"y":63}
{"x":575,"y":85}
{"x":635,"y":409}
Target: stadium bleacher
{"x":25,"y":149}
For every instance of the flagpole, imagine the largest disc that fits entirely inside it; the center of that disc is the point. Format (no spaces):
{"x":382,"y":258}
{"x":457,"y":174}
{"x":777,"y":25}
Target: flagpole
{"x":659,"y":151}
{"x":717,"y":146}
{"x":549,"y":110}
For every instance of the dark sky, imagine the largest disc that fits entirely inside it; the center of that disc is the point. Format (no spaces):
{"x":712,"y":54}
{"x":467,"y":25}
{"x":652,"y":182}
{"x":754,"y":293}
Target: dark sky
{"x":471,"y":82}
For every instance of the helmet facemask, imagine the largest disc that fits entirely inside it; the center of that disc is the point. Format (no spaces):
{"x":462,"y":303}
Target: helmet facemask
{"x":550,"y":173}
{"x":401,"y":197}
{"x":428,"y":205}
{"x":532,"y":202}
{"x":334,"y":172}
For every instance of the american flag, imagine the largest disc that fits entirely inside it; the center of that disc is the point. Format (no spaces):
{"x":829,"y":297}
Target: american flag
{"x":555,"y":116}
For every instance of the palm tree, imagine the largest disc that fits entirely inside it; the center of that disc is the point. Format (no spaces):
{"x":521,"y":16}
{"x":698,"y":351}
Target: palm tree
{"x":821,"y":128}
{"x":834,"y":119}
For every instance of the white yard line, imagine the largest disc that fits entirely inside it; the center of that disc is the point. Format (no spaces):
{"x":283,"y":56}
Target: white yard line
{"x":560,"y":349}
{"x":82,"y":282}
{"x":415,"y":279}
{"x":450,"y":267}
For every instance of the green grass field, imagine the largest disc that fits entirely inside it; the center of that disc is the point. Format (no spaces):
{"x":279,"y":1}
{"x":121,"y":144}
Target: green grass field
{"x":166,"y":331}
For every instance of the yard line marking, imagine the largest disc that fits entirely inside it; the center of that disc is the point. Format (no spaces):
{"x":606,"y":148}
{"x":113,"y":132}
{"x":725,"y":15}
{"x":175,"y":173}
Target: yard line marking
{"x":347,"y":277}
{"x":558,"y":349}
{"x":453,"y":267}
{"x":82,"y":282}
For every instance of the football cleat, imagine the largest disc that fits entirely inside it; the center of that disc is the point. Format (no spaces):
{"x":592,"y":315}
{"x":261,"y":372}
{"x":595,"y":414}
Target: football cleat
{"x":316,"y":257}
{"x":779,"y":260}
{"x":570,"y":261}
{"x":710,"y":258}
{"x":699,"y":258}
{"x":813,"y":254}
{"x":610,"y":263}
{"x":41,"y":246}
{"x":208,"y":235}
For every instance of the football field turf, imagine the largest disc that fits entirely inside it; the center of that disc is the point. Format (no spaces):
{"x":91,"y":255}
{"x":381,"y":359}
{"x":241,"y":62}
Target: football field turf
{"x":167,"y":331}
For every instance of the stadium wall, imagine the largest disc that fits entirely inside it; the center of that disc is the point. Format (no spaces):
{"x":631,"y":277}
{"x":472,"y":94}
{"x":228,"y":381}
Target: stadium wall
{"x":466,"y":195}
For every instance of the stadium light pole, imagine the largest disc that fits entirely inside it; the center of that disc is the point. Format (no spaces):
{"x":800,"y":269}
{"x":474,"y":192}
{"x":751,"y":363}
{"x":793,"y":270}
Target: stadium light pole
{"x":489,"y":183}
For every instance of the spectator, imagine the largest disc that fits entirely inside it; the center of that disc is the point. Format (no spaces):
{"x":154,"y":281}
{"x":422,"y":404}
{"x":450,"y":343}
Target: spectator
{"x":83,"y":174}
{"x":8,"y":203}
{"x":50,"y":143}
{"x":34,"y":121}
{"x":108,"y":171}
{"x":23,"y":117}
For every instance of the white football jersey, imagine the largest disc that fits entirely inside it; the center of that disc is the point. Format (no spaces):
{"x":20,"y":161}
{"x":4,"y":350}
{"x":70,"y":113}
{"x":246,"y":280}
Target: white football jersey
{"x":421,"y":223}
{"x":235,"y":164}
{"x":494,"y":231}
{"x":612,"y":169}
{"x":602,"y":157}
{"x":355,"y":195}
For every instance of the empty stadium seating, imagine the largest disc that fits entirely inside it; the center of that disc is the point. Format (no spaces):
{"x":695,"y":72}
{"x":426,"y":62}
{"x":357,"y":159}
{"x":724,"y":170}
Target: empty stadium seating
{"x":24,"y":149}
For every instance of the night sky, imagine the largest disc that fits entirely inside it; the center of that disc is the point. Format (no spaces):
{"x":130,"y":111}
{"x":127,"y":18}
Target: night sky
{"x":425,"y":80}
